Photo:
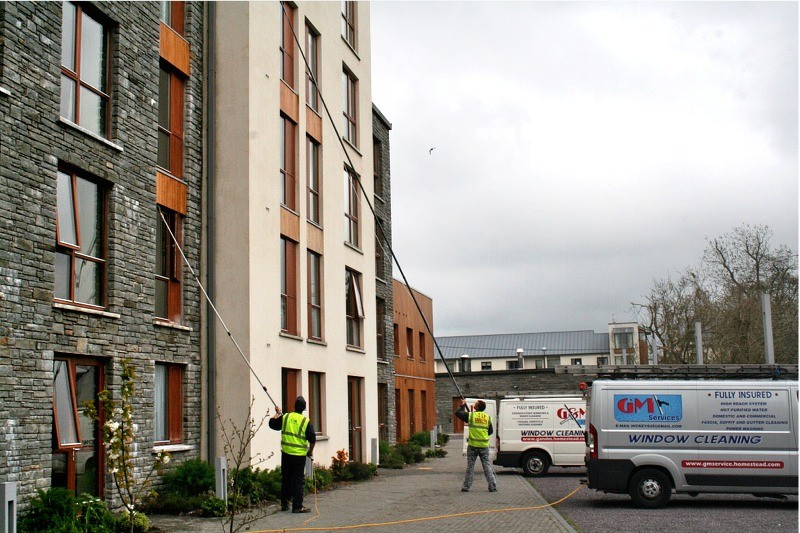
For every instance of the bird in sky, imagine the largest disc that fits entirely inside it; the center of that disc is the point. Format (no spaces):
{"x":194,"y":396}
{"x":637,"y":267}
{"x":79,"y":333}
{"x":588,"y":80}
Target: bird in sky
{"x":431,"y":150}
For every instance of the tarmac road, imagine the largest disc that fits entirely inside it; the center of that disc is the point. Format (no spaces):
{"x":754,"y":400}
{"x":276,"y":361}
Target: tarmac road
{"x":590,"y":511}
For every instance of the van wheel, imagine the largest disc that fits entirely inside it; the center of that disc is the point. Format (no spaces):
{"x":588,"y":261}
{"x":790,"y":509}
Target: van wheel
{"x":650,"y":489}
{"x":535,"y":463}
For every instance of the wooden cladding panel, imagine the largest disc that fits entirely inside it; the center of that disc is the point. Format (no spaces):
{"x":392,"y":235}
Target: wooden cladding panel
{"x":290,"y":103}
{"x":290,"y":224}
{"x":313,"y":125}
{"x":314,"y":239}
{"x":174,"y":49}
{"x":171,"y":193}
{"x":407,"y":316}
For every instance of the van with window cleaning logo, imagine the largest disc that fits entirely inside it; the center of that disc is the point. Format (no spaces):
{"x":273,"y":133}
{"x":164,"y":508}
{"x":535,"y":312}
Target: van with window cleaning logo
{"x":650,"y":438}
{"x":537,"y":432}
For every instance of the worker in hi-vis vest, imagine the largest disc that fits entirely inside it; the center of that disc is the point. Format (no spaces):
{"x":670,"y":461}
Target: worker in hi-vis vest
{"x":480,"y":427}
{"x":297,"y":443}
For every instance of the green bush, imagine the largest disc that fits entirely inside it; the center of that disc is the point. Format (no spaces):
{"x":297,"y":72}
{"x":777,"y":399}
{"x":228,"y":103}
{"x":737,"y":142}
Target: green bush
{"x":140,"y":523}
{"x":50,"y":510}
{"x":170,"y":503}
{"x":411,"y":452}
{"x":93,"y":515}
{"x":191,"y":478}
{"x":423,"y":438}
{"x":323,"y":479}
{"x":360,"y":471}
{"x":270,"y":483}
{"x":213,"y":507}
{"x":389,"y":457}
{"x":435,"y":452}
{"x":442,"y":439}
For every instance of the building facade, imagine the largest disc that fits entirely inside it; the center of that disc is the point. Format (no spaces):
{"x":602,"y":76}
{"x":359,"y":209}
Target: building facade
{"x":100,"y":135}
{"x":415,"y":385}
{"x":291,"y":239}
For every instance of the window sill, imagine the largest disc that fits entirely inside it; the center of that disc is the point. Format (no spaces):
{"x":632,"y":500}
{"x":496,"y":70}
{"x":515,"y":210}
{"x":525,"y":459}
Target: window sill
{"x":350,"y":46}
{"x":172,"y":325}
{"x":322,"y":437}
{"x":353,"y":146}
{"x":70,"y":124}
{"x":4,"y":91}
{"x":86,"y":310}
{"x":289,"y":209}
{"x":381,"y":280}
{"x":379,"y":198}
{"x":356,"y":349}
{"x":290,"y":336}
{"x":171,"y":448}
{"x":316,"y":112}
{"x":315,"y":224}
{"x":318,"y":342}
{"x":353,"y":247}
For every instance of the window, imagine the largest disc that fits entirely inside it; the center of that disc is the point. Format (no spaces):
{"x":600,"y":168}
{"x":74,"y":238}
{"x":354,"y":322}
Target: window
{"x":288,"y":163}
{"x":349,"y":23}
{"x":168,"y":403}
{"x":396,"y":332}
{"x":602,"y":361}
{"x":350,"y":115}
{"x":423,"y":406}
{"x":351,"y":207}
{"x":85,"y":79}
{"x":623,"y":339}
{"x":377,"y":161}
{"x":312,"y":72}
{"x":380,"y":271}
{"x":313,"y":175}
{"x":354,"y":308}
{"x":466,"y":364}
{"x":288,"y":286}
{"x":172,"y":14}
{"x":553,"y":361}
{"x":411,"y":412}
{"x":314,"y":296}
{"x":576,"y":361}
{"x":410,"y":343}
{"x":169,"y":269}
{"x":287,"y":44}
{"x":80,"y":240}
{"x":380,"y":326}
{"x":513,"y":365}
{"x":487,"y":365}
{"x":170,"y":121}
{"x":421,"y":346}
{"x":316,"y":400}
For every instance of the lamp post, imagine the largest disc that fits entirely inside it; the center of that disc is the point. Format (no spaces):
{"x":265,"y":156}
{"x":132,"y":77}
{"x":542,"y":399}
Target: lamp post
{"x":520,"y":360}
{"x":544,"y":356}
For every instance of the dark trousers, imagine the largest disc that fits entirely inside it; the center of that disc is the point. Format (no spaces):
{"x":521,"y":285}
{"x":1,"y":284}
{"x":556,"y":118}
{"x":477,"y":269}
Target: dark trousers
{"x":292,"y":479}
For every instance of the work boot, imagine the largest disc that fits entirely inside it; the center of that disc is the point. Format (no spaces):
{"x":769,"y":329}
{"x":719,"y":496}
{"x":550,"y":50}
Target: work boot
{"x":302,"y":510}
{"x":284,"y":507}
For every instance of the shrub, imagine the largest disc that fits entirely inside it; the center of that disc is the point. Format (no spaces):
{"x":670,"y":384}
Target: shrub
{"x":93,"y":515}
{"x":423,"y":438}
{"x":213,"y":507}
{"x":323,"y":479}
{"x":191,"y":478}
{"x":50,"y":510}
{"x":389,"y":456}
{"x":140,"y":522}
{"x":360,"y":471}
{"x":170,"y":503}
{"x":442,"y":439}
{"x":411,"y":452}
{"x":338,"y":462}
{"x":270,"y":483}
{"x":435,"y":452}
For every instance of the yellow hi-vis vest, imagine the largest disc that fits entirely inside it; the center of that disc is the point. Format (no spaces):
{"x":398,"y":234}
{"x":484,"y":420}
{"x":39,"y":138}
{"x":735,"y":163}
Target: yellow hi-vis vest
{"x":293,"y":434}
{"x":478,"y":429}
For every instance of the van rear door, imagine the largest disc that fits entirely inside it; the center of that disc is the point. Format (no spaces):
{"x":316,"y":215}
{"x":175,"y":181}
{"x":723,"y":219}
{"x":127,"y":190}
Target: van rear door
{"x":569,"y":421}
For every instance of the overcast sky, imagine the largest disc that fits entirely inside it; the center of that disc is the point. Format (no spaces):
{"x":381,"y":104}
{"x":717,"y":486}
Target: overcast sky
{"x":582,"y":150}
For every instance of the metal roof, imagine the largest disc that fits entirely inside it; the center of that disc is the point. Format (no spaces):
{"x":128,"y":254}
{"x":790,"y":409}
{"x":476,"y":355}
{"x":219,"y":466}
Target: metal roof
{"x":505,"y":345}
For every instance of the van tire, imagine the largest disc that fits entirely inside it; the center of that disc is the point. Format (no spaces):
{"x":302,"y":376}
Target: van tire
{"x":535,"y":463}
{"x":650,"y":488}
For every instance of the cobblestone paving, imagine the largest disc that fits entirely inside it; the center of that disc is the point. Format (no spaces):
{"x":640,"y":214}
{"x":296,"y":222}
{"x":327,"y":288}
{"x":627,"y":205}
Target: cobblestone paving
{"x":429,"y":492}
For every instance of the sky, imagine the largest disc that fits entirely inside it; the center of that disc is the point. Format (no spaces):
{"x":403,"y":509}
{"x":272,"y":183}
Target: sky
{"x":582,"y":150}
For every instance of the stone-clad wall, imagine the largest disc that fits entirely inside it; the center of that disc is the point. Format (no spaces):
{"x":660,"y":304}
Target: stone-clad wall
{"x":567,"y":380}
{"x":33,"y":142}
{"x":383,"y":210}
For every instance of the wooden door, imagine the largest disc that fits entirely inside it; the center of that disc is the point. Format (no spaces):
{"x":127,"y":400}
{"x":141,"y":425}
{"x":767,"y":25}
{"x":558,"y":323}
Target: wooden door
{"x":354,"y":415}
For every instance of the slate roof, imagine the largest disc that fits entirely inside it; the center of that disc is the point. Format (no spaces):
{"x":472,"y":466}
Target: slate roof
{"x":505,"y":345}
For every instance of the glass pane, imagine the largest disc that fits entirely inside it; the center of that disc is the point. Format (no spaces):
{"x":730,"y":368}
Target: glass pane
{"x":161,"y":298}
{"x":163,"y":99}
{"x":89,"y":211}
{"x":93,"y":112}
{"x":87,"y":281}
{"x":67,"y":98}
{"x":163,"y":149}
{"x":86,"y":472}
{"x":66,"y":213}
{"x":316,"y":330}
{"x":68,"y":36}
{"x":161,"y":247}
{"x":65,"y":406}
{"x":85,"y":390}
{"x":161,"y":403}
{"x":62,"y":276}
{"x":166,"y":12}
{"x":93,"y":53}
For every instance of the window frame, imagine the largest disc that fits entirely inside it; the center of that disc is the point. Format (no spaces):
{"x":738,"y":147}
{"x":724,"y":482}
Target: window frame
{"x":486,"y":365}
{"x":421,"y":336}
{"x":352,"y":208}
{"x":396,"y":338}
{"x":410,"y":343}
{"x":172,"y":272}
{"x":380,"y":327}
{"x":354,"y":309}
{"x":287,"y":48}
{"x":74,"y":250}
{"x":315,"y":307}
{"x":173,"y":415}
{"x":314,"y":181}
{"x":377,"y":164}
{"x":349,"y":23}
{"x":288,"y":163}
{"x":380,"y":267}
{"x":350,"y":107}
{"x":176,"y":13}
{"x":74,"y":75}
{"x":173,"y":128}
{"x":289,"y":321}
{"x":312,"y":72}
{"x":316,"y":401}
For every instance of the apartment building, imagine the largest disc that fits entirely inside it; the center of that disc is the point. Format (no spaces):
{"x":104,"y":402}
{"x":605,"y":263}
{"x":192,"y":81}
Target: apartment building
{"x":415,"y":384}
{"x":100,"y":135}
{"x":291,"y":239}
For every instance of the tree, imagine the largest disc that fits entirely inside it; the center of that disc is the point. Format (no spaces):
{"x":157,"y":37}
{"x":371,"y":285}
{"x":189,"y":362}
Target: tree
{"x":724,"y":295}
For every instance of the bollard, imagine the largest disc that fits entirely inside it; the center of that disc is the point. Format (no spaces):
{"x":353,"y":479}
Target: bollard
{"x":374,"y":446}
{"x":8,"y":513}
{"x":433,"y":438}
{"x":221,"y":467}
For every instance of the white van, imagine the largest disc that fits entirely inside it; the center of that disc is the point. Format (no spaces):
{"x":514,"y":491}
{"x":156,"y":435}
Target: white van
{"x":536,"y":432}
{"x":648,"y":438}
{"x":491,"y":410}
